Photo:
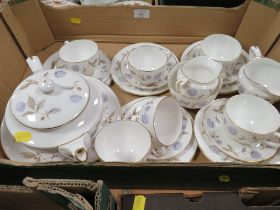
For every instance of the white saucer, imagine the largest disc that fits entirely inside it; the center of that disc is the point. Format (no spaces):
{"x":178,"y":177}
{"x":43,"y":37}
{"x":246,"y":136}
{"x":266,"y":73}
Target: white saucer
{"x":101,"y":72}
{"x":214,"y":128}
{"x":20,"y":152}
{"x":210,"y":150}
{"x":120,"y":80}
{"x":179,"y":148}
{"x":194,"y":50}
{"x":187,"y":154}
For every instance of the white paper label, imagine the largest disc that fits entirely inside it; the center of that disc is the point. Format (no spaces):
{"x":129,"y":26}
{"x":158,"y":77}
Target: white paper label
{"x":141,"y":13}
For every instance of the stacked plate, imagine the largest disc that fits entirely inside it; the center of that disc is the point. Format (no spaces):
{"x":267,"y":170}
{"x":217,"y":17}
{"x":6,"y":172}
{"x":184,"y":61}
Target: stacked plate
{"x":184,"y":146}
{"x":142,"y":69}
{"x":224,"y":135}
{"x":54,"y":116}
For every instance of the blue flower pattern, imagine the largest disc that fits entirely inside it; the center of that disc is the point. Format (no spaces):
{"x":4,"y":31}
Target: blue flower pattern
{"x":75,"y":98}
{"x":232,"y":130}
{"x":210,"y":123}
{"x":59,"y":74}
{"x":145,"y":118}
{"x":191,"y":92}
{"x":255,"y":154}
{"x":20,"y":107}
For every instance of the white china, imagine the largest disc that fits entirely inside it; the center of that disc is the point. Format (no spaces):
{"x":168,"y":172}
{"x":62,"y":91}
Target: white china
{"x":79,"y":56}
{"x":162,"y":116}
{"x":52,"y":138}
{"x":19,"y":152}
{"x":188,"y":102}
{"x":221,"y":47}
{"x":147,"y":63}
{"x":132,"y":3}
{"x":187,"y":154}
{"x":263,"y":72}
{"x":250,"y":119}
{"x":123,"y":141}
{"x":213,"y":123}
{"x":210,"y":150}
{"x":185,"y":146}
{"x":224,"y":49}
{"x":248,"y":87}
{"x":198,"y":77}
{"x":39,"y":101}
{"x":98,"y":2}
{"x":100,"y":69}
{"x":132,"y":78}
{"x":125,"y":85}
{"x":194,"y":50}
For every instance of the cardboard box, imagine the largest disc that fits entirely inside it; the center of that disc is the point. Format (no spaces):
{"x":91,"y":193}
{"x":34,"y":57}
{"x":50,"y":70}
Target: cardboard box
{"x":28,"y":28}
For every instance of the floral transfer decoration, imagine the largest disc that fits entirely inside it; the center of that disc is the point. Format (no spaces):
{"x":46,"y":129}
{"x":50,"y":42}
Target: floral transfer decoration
{"x":36,"y":108}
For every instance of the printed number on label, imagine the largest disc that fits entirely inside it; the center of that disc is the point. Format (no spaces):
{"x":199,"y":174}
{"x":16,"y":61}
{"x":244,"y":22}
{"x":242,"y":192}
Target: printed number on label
{"x":141,"y":13}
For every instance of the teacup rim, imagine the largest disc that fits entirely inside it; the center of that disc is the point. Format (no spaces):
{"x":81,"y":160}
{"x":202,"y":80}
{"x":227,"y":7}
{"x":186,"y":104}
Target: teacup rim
{"x":81,"y":60}
{"x":196,"y":58}
{"x":153,"y":70}
{"x":243,"y":129}
{"x":130,"y":121}
{"x":266,"y":89}
{"x":225,"y":35}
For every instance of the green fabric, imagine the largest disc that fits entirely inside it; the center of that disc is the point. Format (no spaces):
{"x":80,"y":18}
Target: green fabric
{"x":275,"y":4}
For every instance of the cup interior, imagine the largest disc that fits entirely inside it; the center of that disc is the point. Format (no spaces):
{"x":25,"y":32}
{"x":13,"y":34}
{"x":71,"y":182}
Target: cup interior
{"x":147,"y":58}
{"x":202,"y":69}
{"x":123,"y":141}
{"x":168,"y":121}
{"x":221,"y":47}
{"x":253,"y":114}
{"x":264,"y":71}
{"x":78,"y":51}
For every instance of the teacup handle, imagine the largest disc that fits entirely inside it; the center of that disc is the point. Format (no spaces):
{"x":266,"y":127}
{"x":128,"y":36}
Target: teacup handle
{"x":179,"y":84}
{"x":34,"y":64}
{"x":76,"y":149}
{"x":254,"y":52}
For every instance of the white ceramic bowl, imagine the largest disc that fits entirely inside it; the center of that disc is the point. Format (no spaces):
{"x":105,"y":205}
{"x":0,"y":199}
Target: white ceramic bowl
{"x":123,"y":141}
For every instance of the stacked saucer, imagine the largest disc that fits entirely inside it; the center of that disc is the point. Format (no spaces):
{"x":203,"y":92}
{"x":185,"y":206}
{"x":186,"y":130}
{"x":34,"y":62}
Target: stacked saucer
{"x":239,"y":129}
{"x":142,"y":69}
{"x":225,"y":50}
{"x":167,"y":145}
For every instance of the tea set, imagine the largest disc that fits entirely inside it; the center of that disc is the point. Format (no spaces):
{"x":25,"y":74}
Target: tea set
{"x":65,"y":111}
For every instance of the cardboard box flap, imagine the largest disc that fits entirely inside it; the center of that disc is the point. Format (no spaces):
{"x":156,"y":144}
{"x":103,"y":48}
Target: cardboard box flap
{"x":255,"y":23}
{"x":29,"y":26}
{"x":162,"y":21}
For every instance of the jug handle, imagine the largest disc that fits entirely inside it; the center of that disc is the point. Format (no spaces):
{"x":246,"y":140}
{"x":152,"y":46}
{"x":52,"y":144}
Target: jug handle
{"x":34,"y":64}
